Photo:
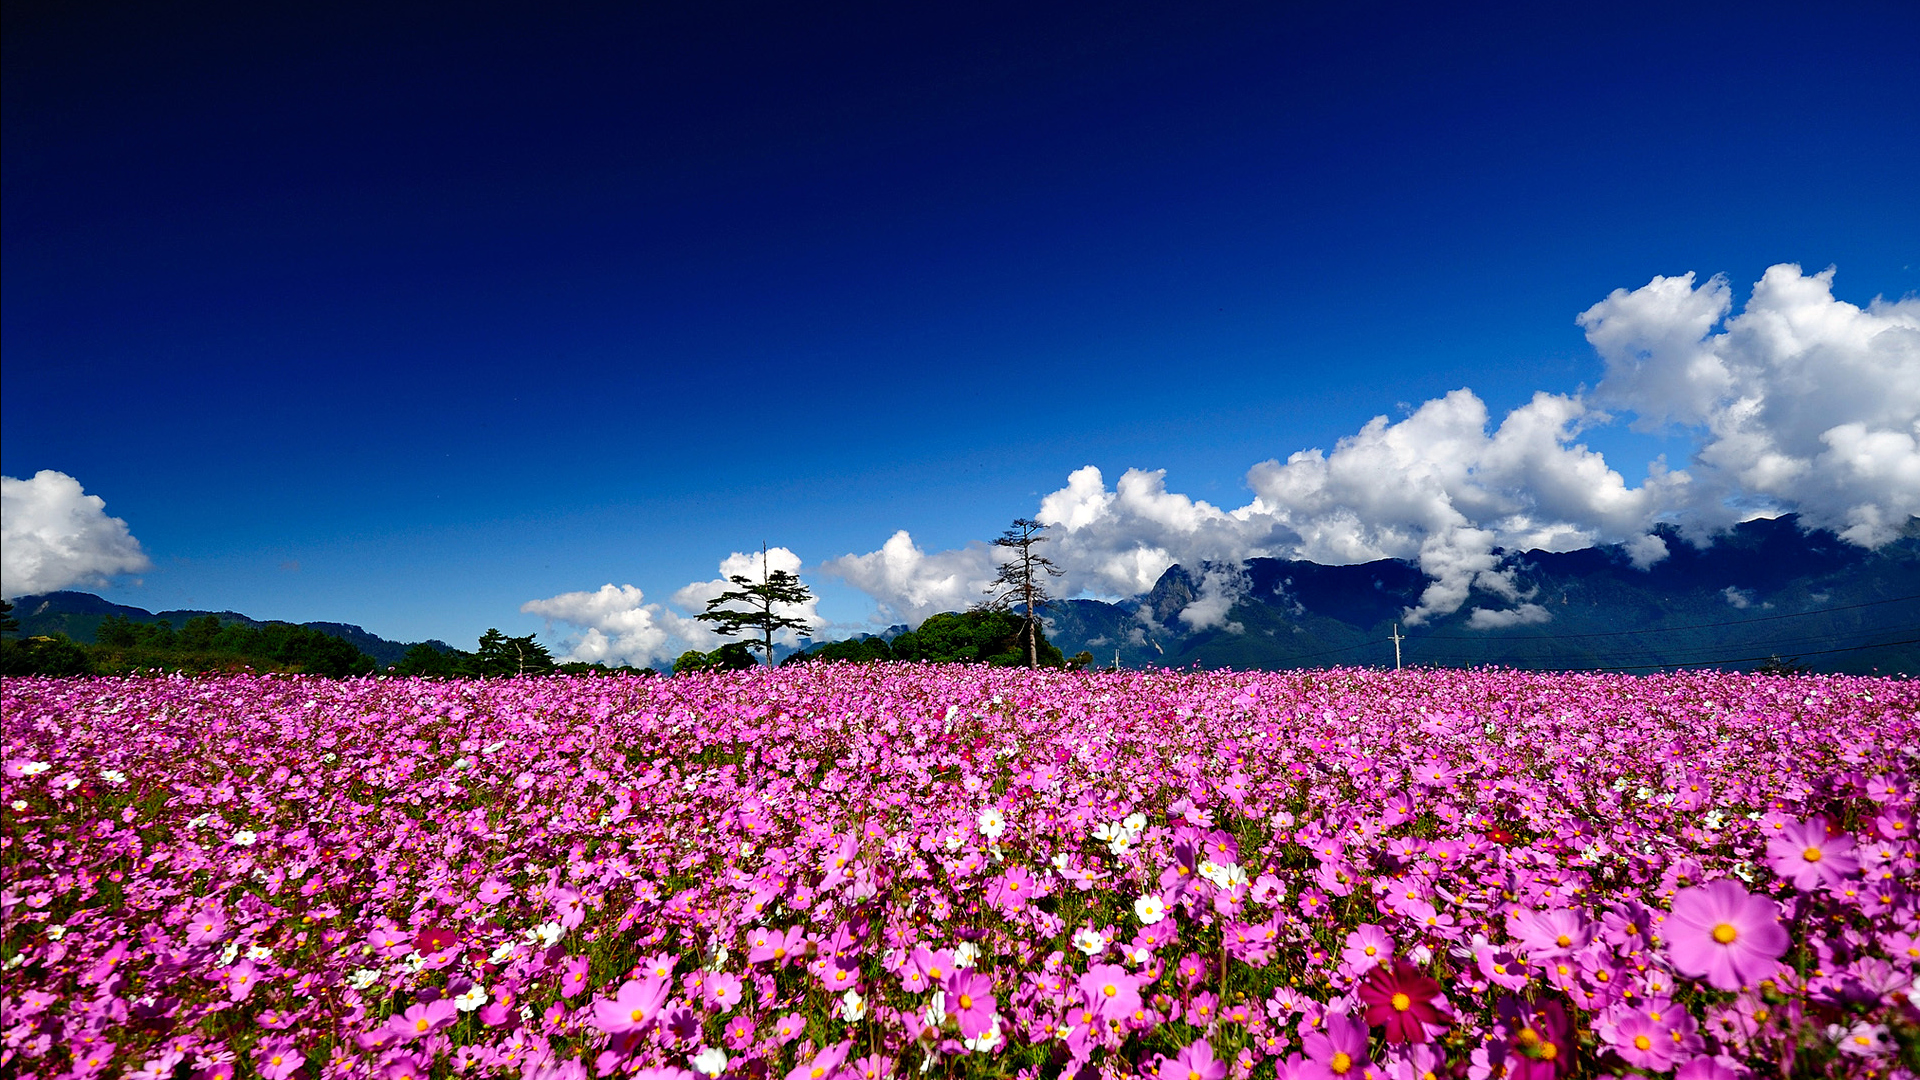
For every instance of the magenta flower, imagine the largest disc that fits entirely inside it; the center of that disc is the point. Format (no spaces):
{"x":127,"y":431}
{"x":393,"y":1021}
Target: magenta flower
{"x":632,"y":1008}
{"x":1110,"y":991}
{"x":1195,"y":1062}
{"x":240,"y":979}
{"x":1402,"y":1001}
{"x":1721,"y":932}
{"x":1547,"y":934}
{"x":723,"y":991}
{"x":1644,"y":1043}
{"x":573,"y":980}
{"x":421,"y":1020}
{"x":824,"y":1064}
{"x":277,"y":1059}
{"x":492,"y":891}
{"x":970,"y":1002}
{"x":1338,"y":1049}
{"x":788,"y":1028}
{"x":1367,"y":947}
{"x":1808,"y":855}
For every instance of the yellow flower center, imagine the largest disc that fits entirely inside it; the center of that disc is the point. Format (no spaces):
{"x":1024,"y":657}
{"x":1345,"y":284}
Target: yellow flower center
{"x":1340,"y":1064}
{"x":1641,"y":1042}
{"x":1812,"y":854}
{"x":966,"y":1002}
{"x":1563,"y":941}
{"x":1725,"y":933}
{"x":1370,"y":950}
{"x":1402,"y":1002}
{"x":1110,"y":990}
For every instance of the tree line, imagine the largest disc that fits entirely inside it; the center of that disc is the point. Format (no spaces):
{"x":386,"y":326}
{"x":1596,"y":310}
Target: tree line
{"x":1002,"y":630}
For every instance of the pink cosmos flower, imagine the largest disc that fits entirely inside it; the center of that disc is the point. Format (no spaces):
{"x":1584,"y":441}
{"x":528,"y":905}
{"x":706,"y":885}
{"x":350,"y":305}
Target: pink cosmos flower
{"x":723,"y":991}
{"x":1338,"y":1049}
{"x":1807,"y":854}
{"x":1367,"y":947}
{"x":421,"y":1020}
{"x":1402,"y":1000}
{"x":788,"y":1028}
{"x":1113,"y":994}
{"x":573,"y":981}
{"x":1644,"y":1043}
{"x":405,"y":1067}
{"x":872,"y":1067}
{"x":240,"y":979}
{"x":1195,"y":1062}
{"x":970,"y":1002}
{"x":1547,"y":934}
{"x":492,"y":891}
{"x":1720,"y":931}
{"x":277,"y":1059}
{"x":738,"y":1034}
{"x":632,"y":1008}
{"x":824,"y":1064}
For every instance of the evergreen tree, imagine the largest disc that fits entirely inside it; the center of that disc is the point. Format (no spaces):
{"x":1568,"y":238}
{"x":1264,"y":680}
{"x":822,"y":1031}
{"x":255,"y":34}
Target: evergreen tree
{"x":758,"y":606}
{"x":1023,"y":579}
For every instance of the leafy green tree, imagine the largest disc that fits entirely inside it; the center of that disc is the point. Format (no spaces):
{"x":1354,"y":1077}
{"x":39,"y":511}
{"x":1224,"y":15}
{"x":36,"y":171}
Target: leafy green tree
{"x":55,"y":655}
{"x":863,"y":650}
{"x":500,"y":655}
{"x":198,"y":634}
{"x":981,"y":636}
{"x":733,"y":656}
{"x":756,"y":607}
{"x":423,"y":660}
{"x":8,"y":624}
{"x":115,"y":632}
{"x":1023,"y":580}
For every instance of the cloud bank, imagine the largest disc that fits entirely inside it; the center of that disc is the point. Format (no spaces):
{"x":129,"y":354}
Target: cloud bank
{"x":54,"y":535}
{"x":1800,"y":403}
{"x":615,"y":625}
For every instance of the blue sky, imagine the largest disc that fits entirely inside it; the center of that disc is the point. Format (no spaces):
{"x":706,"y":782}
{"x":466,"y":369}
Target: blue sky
{"x":452,"y":316}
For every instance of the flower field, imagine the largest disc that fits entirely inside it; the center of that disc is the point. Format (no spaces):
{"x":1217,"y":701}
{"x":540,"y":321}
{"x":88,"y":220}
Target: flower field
{"x":845,"y":872}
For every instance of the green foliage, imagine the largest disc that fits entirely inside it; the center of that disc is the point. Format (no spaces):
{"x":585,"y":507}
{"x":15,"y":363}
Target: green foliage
{"x":733,"y":656}
{"x":500,"y":655}
{"x":863,"y":650}
{"x":56,"y":655}
{"x":992,"y":637}
{"x":425,"y":661}
{"x":8,"y":624}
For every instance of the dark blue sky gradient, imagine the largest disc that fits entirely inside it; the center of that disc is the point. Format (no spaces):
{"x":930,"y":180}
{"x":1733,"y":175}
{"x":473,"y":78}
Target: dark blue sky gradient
{"x":457,"y":313}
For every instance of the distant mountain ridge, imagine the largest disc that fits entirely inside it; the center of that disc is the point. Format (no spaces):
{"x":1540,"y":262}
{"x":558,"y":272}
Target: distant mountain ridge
{"x":78,"y":615}
{"x":1765,"y":590}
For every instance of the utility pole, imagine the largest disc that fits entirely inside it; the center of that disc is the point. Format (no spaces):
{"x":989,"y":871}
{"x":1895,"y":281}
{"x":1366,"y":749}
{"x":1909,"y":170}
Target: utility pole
{"x":1396,"y":646}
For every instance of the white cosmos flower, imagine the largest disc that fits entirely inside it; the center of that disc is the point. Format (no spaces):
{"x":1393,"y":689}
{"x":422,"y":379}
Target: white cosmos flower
{"x":988,"y":1039}
{"x":502,"y":952}
{"x":363,"y":978}
{"x":966,"y":954}
{"x":1136,"y":823}
{"x":232,"y":950}
{"x":1091,"y":942}
{"x":34,"y":768}
{"x":19,"y":804}
{"x":992,"y":823}
{"x":244,"y":838}
{"x":853,"y":1007}
{"x":55,"y":932}
{"x":474,"y":997}
{"x":1150,"y":909}
{"x":711,"y":1061}
{"x":259,"y":952}
{"x":546,"y":933}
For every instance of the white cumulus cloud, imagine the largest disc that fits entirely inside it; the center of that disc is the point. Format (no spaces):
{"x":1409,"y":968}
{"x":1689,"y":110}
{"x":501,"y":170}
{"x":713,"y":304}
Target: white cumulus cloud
{"x":1800,"y":403}
{"x":54,"y":535}
{"x":615,"y":624}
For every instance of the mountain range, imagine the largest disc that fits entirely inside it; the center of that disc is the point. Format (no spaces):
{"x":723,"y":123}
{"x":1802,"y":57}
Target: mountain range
{"x":78,"y":615}
{"x":1765,"y":591}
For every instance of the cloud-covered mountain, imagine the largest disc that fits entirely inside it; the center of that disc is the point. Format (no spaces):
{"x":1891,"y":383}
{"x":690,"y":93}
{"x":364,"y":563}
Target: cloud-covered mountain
{"x":1767,"y":588}
{"x":1800,"y":403}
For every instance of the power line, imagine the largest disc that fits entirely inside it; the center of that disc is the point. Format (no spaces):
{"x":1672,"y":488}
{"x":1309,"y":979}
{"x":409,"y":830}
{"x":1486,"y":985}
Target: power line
{"x":1691,"y":626}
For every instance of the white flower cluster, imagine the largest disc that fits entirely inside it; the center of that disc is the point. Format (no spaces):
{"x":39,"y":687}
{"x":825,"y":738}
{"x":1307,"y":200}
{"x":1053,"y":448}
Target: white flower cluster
{"x":1121,"y":837}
